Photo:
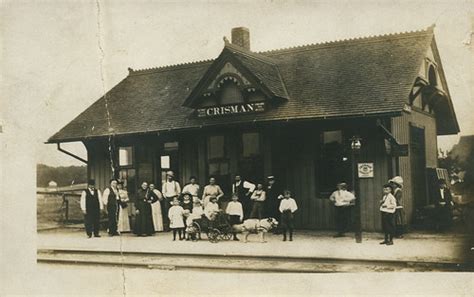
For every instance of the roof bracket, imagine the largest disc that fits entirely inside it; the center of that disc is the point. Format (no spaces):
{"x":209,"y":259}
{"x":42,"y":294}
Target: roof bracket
{"x":387,"y":134}
{"x":70,"y":154}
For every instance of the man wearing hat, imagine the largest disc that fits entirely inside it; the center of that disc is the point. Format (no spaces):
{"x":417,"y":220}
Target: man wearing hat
{"x":111,"y":200}
{"x":443,"y":203}
{"x":343,"y":200}
{"x":91,"y":206}
{"x":397,"y":185}
{"x":243,"y":189}
{"x":272,"y":203}
{"x":170,"y":190}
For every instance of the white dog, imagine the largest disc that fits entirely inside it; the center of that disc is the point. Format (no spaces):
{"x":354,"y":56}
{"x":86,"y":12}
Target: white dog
{"x":256,"y":226}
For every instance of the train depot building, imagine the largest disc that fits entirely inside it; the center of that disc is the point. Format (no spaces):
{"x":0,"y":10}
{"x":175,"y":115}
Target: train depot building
{"x":360,"y":110}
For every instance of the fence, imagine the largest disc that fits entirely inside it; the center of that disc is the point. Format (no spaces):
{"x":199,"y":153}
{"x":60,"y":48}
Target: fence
{"x":58,"y":208}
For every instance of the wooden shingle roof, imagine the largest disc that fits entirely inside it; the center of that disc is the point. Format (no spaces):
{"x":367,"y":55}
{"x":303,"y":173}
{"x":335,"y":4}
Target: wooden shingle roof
{"x":350,"y":78}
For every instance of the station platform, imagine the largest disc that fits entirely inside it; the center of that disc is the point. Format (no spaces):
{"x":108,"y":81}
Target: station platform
{"x":449,"y":249}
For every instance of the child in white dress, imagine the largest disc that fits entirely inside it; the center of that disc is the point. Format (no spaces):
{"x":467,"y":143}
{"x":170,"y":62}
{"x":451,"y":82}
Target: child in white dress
{"x":176,"y":217}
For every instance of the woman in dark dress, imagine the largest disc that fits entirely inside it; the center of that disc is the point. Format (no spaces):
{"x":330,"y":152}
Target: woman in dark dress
{"x":144,"y":219}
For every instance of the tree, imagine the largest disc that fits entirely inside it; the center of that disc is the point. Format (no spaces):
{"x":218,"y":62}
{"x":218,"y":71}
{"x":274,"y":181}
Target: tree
{"x":63,"y":175}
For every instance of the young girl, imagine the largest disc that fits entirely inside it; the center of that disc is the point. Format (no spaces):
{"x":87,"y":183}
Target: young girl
{"x":196,"y":216}
{"x":258,"y":197}
{"x":235,"y":212}
{"x":176,"y":217}
{"x":187,"y":202}
{"x":388,"y":205}
{"x":287,"y":208}
{"x":399,"y":216}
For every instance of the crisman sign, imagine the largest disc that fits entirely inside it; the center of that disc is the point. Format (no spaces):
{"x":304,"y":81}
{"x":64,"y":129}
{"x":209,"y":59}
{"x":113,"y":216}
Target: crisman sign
{"x":231,"y":109}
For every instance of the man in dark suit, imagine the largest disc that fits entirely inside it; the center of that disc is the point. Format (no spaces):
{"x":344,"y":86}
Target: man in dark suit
{"x":91,"y":206}
{"x":443,"y":203}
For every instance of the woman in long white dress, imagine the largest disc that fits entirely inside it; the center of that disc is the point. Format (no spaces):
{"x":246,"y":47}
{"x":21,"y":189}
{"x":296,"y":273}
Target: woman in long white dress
{"x":156,"y":208}
{"x":123,"y":224}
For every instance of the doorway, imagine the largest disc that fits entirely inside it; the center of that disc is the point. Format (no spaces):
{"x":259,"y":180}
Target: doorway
{"x":418,"y":165}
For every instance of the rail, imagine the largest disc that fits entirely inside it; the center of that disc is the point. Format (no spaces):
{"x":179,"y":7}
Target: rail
{"x":65,"y":196}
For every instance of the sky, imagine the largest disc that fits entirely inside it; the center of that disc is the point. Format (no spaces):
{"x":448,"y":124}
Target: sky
{"x":55,"y":53}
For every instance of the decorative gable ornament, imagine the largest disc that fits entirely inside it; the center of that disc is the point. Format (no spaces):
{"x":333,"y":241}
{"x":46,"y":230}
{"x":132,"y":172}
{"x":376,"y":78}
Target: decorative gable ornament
{"x":234,"y":84}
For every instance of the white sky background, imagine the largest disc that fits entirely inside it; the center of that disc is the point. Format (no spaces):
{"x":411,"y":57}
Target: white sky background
{"x":51,"y":61}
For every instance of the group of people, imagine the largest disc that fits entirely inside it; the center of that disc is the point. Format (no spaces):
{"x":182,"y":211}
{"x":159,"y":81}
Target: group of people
{"x":175,"y":209}
{"x":391,"y":208}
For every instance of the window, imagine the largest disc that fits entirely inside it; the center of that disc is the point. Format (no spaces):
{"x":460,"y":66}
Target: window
{"x":171,"y":146}
{"x":215,"y":147}
{"x":333,"y":165}
{"x":432,"y":77}
{"x":217,"y":157}
{"x":332,"y":137}
{"x":250,"y":144}
{"x":230,"y":93}
{"x":128,"y":178}
{"x":125,"y":156}
{"x":169,"y":159}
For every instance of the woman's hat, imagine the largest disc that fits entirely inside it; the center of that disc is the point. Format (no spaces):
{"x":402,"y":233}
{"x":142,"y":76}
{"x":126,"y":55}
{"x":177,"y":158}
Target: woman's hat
{"x":170,"y":173}
{"x":398,"y":180}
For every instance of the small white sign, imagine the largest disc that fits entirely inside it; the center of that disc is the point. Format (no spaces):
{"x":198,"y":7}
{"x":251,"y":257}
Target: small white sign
{"x":365,"y":170}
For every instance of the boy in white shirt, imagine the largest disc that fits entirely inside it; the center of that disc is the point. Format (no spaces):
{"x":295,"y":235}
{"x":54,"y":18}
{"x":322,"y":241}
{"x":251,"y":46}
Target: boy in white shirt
{"x":235,"y":211}
{"x":287,"y":208}
{"x":388,"y":205}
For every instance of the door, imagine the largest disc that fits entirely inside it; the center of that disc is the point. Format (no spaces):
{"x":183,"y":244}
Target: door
{"x":218,"y":161}
{"x":418,"y":165}
{"x":168,"y":159}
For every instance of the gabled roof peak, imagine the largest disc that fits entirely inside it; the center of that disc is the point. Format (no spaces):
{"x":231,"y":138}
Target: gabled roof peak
{"x":362,"y":39}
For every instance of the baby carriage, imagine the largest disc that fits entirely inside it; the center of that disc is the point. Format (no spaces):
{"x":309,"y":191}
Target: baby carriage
{"x":217,"y":228}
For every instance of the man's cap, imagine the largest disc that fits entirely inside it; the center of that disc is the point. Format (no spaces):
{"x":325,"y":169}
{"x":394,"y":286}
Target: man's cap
{"x":91,"y":182}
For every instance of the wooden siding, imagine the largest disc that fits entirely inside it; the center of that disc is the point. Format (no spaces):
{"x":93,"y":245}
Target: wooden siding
{"x":370,"y":189}
{"x":295,"y":162}
{"x":291,"y":153}
{"x":99,"y":167}
{"x":401,"y":131}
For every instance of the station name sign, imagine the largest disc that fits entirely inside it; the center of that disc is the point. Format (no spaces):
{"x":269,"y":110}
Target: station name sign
{"x":231,"y":109}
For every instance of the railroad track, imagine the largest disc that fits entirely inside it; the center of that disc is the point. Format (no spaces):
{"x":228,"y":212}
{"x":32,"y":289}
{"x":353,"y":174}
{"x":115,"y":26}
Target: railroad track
{"x":236,"y":263}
